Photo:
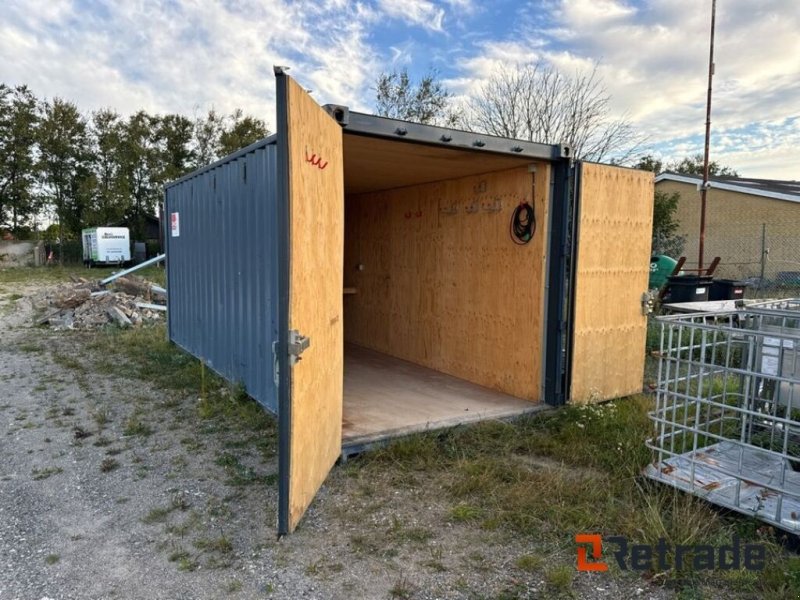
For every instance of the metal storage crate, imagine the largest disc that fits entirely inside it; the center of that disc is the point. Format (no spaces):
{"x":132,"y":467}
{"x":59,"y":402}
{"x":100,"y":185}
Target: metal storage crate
{"x":727,"y":415}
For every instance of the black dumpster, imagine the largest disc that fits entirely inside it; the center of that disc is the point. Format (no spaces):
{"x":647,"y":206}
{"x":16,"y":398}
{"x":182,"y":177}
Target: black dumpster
{"x":727,"y":289}
{"x":687,"y":288}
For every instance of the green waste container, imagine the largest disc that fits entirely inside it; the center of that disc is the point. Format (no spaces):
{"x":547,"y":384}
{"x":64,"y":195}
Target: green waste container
{"x":661,"y":267}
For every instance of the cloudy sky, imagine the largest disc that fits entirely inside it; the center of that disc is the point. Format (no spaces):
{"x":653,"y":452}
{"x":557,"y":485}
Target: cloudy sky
{"x":186,"y":55}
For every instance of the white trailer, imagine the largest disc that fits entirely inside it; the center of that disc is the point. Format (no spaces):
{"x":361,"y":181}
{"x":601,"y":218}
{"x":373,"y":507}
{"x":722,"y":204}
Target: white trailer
{"x":106,"y":246}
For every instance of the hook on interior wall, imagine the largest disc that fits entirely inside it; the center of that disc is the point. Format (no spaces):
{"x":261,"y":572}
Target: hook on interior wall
{"x":494,"y":206}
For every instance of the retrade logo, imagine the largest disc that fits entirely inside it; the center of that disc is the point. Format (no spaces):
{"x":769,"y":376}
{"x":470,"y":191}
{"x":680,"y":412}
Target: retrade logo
{"x":662,"y":555}
{"x":595,"y":541}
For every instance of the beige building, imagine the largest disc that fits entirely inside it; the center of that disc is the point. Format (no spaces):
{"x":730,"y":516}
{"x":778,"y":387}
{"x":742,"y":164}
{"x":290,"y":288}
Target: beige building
{"x":751,"y":224}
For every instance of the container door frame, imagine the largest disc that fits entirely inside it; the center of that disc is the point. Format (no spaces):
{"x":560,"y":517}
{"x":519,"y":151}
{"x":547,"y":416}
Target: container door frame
{"x":310,"y":391}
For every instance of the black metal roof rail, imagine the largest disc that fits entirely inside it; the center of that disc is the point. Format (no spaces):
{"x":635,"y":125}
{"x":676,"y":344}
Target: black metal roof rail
{"x":383,"y":127}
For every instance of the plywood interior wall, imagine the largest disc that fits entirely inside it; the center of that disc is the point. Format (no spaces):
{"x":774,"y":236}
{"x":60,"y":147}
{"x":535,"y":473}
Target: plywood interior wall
{"x":443,"y":285}
{"x":613,"y":263}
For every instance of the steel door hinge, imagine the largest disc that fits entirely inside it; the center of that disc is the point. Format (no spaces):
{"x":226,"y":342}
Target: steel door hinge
{"x":297,"y":345}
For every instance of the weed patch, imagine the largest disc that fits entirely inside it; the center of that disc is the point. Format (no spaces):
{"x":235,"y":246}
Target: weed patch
{"x":551,"y":475}
{"x":135,"y":426}
{"x":39,"y":474}
{"x":240,"y":475}
{"x":108,"y":465}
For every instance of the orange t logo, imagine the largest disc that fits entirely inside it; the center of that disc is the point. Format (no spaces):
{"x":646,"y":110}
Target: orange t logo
{"x":597,"y":549}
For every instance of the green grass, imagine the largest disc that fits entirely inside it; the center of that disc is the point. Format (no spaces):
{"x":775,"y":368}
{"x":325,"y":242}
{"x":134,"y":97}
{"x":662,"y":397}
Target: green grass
{"x":240,"y":475}
{"x":529,"y":562}
{"x":158,"y":514}
{"x":221,"y":545}
{"x":134,"y":426}
{"x":145,"y":353}
{"x":465,"y":512}
{"x":560,"y":577}
{"x":39,"y":474}
{"x":551,"y":475}
{"x":56,"y":274}
{"x":185,"y":561}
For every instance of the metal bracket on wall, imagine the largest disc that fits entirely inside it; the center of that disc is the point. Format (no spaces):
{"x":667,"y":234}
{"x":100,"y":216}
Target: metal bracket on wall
{"x":297,"y":345}
{"x":495,"y":206}
{"x":648,"y":301}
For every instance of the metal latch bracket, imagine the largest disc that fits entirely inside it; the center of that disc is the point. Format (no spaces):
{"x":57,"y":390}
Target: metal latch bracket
{"x":648,"y":302}
{"x":297,"y":345}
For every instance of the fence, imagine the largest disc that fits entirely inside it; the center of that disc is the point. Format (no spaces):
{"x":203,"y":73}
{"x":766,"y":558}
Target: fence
{"x":727,"y":415}
{"x":766,"y":255}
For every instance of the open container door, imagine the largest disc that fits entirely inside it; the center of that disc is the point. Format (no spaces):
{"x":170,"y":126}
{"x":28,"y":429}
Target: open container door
{"x":310,"y":347}
{"x":613,"y":219}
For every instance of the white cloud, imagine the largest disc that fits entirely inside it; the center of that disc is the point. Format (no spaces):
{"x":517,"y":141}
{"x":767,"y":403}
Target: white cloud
{"x":654,"y":59}
{"x":175,"y":56}
{"x":416,"y":12}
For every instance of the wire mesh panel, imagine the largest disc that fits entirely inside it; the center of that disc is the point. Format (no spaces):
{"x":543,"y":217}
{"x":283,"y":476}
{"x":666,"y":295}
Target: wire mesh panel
{"x":727,"y":415}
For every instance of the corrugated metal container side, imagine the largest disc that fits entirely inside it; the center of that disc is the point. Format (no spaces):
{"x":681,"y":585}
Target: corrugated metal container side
{"x":222,"y":271}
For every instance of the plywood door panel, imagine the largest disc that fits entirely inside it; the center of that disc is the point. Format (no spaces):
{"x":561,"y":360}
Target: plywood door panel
{"x":316,"y":197}
{"x":443,"y":284}
{"x":612,"y":269}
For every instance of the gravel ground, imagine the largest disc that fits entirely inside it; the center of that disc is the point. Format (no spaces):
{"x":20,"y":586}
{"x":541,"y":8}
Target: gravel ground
{"x":111,"y":488}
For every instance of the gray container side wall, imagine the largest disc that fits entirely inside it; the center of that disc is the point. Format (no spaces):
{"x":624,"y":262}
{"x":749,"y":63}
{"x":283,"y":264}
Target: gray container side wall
{"x":222,"y":271}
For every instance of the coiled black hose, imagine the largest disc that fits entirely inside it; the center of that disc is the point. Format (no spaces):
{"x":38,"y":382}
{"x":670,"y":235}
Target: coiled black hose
{"x":523,"y":224}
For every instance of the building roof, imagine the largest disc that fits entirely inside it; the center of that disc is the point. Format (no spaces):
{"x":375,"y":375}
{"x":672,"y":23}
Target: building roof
{"x":769,"y":188}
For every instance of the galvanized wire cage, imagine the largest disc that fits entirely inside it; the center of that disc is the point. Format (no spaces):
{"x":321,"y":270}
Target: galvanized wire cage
{"x":727,"y":415}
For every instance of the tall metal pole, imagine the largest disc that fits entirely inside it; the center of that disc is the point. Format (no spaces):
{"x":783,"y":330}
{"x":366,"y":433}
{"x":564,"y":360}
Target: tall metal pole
{"x":708,"y":141}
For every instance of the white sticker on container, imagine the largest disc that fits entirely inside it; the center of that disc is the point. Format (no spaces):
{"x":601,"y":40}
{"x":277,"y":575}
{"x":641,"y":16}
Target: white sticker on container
{"x":699,"y":291}
{"x":175,"y":224}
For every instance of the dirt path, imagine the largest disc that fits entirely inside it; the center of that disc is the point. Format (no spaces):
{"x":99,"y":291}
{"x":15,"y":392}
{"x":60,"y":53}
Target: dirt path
{"x":112,"y":488}
{"x":86,"y":501}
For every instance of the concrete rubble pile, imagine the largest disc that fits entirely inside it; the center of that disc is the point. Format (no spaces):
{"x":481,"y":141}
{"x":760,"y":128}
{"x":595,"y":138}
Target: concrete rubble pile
{"x":82,"y":304}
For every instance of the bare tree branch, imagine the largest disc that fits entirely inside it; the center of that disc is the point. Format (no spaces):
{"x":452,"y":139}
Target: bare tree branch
{"x":539,"y":103}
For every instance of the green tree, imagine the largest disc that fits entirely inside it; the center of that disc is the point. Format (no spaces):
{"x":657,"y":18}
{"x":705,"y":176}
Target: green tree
{"x":666,"y":239}
{"x":19,"y":121}
{"x":693,"y":165}
{"x":239,"y":131}
{"x":176,"y":155}
{"x":207,"y":132}
{"x":427,"y":101}
{"x":140,"y":168}
{"x":64,"y":160}
{"x":649,"y":162}
{"x":110,"y":195}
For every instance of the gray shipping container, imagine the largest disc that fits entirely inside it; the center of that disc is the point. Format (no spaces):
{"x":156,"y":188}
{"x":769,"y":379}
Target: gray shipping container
{"x":365,"y":278}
